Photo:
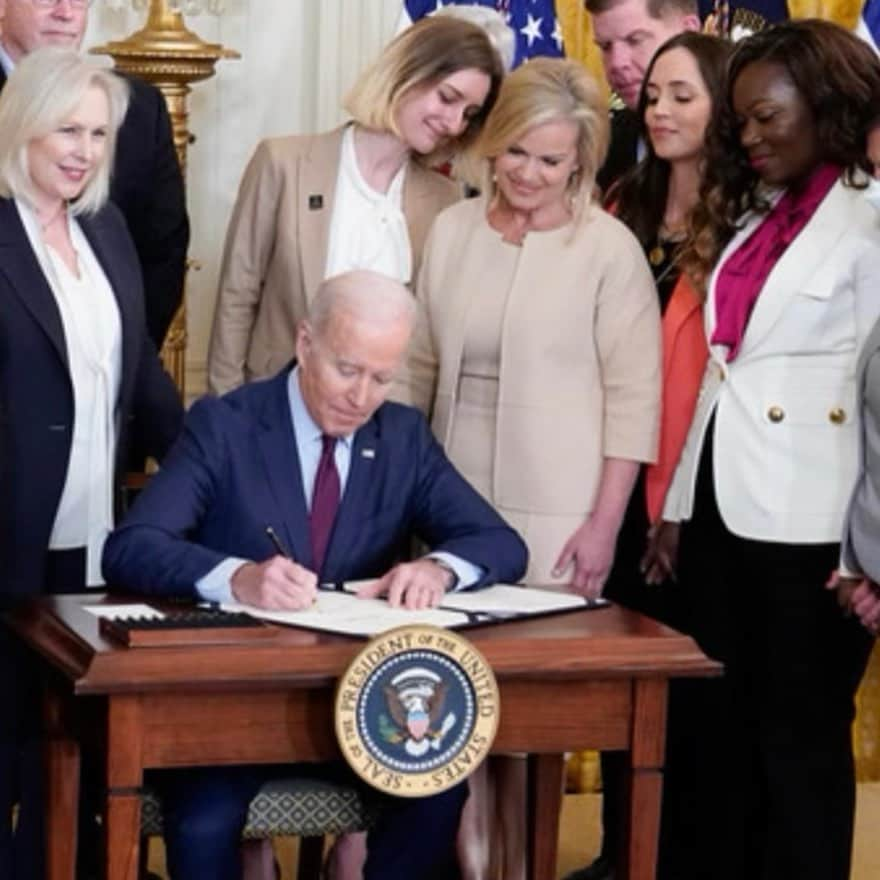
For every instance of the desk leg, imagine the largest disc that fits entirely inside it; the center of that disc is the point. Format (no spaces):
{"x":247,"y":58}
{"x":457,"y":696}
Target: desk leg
{"x":645,"y":783}
{"x":124,"y":781}
{"x":62,"y":788}
{"x":544,"y":804}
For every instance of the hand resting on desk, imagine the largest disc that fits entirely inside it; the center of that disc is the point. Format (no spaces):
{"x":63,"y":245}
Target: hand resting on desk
{"x":419,"y":584}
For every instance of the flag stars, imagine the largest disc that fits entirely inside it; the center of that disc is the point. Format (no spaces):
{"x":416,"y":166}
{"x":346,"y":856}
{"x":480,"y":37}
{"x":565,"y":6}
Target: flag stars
{"x":532,"y":29}
{"x":556,"y":36}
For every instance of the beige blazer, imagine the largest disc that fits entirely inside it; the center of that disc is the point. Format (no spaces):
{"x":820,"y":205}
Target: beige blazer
{"x":786,"y":427}
{"x":579,"y":376}
{"x":276,"y":250}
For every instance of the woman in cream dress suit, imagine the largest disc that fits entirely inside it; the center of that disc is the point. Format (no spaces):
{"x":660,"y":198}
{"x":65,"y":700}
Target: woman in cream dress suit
{"x":359,"y":197}
{"x":537,"y":353}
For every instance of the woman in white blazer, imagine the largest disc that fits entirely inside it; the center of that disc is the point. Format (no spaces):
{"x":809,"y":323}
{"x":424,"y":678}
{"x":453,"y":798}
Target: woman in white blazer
{"x":769,"y":463}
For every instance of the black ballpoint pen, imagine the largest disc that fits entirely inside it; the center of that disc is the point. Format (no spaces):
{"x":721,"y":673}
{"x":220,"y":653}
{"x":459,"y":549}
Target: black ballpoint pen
{"x":279,"y":548}
{"x":276,"y":543}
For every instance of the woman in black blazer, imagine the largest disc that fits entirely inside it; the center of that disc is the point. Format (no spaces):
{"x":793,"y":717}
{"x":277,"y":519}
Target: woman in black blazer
{"x":78,"y":375}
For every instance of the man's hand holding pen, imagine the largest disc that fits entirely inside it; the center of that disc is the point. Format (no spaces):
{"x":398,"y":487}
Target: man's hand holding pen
{"x":278,"y":584}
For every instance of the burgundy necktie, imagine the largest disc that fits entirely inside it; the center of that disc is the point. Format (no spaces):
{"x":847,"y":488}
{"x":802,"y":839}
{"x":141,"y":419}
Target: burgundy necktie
{"x":325,"y":501}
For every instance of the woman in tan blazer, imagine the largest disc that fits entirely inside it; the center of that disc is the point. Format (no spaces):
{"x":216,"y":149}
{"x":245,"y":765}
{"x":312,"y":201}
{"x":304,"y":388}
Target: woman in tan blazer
{"x":537,"y":357}
{"x":361,"y":196}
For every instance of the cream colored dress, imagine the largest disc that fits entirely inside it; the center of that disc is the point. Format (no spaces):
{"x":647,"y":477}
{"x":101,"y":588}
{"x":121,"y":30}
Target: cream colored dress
{"x":535,"y":364}
{"x":472,"y":441}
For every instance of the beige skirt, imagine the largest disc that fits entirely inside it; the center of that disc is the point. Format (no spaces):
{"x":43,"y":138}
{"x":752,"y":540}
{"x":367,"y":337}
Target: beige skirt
{"x":471,"y":449}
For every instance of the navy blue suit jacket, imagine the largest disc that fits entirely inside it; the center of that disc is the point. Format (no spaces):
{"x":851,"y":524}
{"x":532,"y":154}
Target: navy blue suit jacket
{"x":623,"y":148}
{"x":147,"y":186}
{"x":36,"y":395}
{"x":234,"y":471}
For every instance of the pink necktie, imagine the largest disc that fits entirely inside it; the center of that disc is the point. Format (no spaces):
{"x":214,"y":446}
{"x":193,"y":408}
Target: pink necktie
{"x":325,"y":502}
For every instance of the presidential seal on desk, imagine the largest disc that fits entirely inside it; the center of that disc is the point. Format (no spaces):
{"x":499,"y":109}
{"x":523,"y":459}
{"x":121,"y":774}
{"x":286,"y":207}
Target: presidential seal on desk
{"x":416,"y":711}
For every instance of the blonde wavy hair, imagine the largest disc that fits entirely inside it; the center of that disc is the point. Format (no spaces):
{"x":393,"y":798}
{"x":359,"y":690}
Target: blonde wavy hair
{"x":541,"y":91}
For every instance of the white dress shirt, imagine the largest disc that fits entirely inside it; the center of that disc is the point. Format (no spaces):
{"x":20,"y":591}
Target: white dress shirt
{"x":367,"y":228}
{"x":93,"y":337}
{"x":216,"y":585}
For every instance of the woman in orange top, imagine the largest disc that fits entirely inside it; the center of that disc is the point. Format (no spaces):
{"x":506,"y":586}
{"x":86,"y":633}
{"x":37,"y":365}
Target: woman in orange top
{"x":682,"y":88}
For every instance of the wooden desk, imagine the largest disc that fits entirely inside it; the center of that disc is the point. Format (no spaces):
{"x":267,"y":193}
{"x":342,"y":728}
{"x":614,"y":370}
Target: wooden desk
{"x":588,"y":679}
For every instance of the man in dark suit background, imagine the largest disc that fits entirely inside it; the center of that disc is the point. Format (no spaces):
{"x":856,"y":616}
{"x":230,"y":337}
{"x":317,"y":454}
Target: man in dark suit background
{"x":315,"y":462}
{"x":147,"y":185}
{"x":628,"y":32}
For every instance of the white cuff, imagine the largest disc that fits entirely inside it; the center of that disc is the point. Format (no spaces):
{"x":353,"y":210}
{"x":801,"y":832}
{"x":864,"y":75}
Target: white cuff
{"x":216,"y":585}
{"x":466,"y":572}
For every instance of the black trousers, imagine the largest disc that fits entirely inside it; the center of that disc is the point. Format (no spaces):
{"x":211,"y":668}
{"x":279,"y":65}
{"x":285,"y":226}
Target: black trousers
{"x":22,"y":854}
{"x":759,"y":776}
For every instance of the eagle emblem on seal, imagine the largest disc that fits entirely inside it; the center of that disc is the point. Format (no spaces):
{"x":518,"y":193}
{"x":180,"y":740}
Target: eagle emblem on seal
{"x":415,"y":699}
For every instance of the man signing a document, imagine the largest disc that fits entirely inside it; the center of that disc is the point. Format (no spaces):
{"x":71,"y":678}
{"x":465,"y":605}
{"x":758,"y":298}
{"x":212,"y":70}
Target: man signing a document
{"x":306,"y":478}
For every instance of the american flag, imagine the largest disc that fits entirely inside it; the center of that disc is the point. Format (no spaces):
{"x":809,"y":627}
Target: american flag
{"x":533,"y":22}
{"x":869,"y":23}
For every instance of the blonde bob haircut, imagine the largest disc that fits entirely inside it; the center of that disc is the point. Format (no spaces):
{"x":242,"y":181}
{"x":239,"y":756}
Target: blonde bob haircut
{"x":548,"y":90}
{"x":41,"y":94}
{"x":422,"y":55}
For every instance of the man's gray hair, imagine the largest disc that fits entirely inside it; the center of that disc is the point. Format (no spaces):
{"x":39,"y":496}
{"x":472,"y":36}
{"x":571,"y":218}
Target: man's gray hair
{"x":499,"y":32}
{"x":367,"y":295}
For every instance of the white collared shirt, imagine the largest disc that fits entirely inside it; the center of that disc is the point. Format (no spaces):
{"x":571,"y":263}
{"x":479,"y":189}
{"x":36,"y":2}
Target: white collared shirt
{"x":309,"y":442}
{"x":93,"y":338}
{"x":367,"y":228}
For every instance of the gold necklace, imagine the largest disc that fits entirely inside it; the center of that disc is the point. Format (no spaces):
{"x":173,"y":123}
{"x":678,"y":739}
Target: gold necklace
{"x":657,"y":254}
{"x":666,"y":238}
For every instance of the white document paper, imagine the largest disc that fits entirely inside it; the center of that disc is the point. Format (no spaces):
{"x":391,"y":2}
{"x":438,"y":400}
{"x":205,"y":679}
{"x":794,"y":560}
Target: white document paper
{"x":513,"y":601}
{"x":342,"y":612}
{"x":117,"y":612}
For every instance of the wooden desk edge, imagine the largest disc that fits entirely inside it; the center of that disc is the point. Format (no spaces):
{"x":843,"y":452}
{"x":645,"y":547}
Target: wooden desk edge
{"x":67,"y":636}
